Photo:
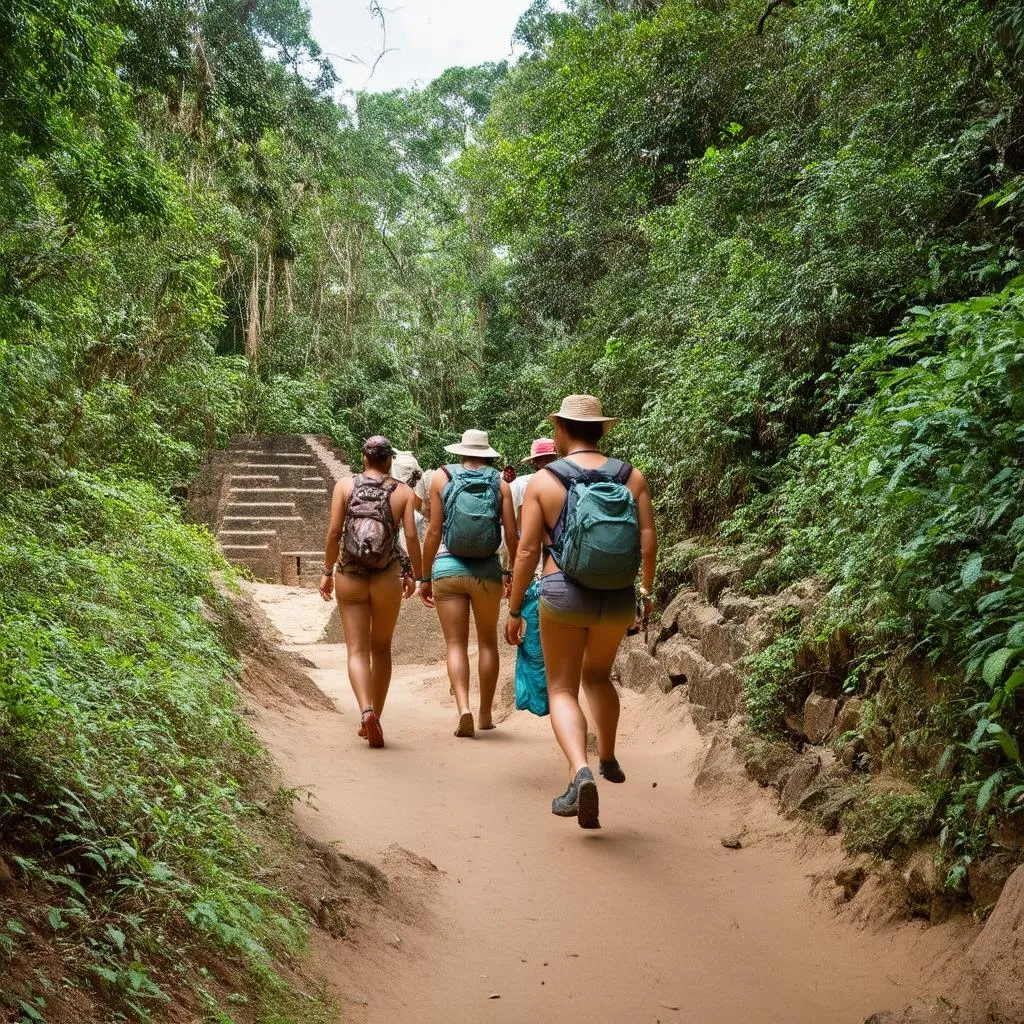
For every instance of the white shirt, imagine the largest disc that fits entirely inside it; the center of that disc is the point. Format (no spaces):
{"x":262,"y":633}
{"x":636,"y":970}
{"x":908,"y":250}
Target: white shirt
{"x":518,"y":488}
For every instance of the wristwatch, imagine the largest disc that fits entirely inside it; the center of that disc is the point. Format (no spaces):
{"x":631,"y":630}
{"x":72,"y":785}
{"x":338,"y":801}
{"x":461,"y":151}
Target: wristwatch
{"x":514,"y":615}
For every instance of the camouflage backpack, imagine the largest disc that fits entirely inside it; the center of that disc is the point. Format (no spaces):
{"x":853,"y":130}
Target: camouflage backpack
{"x":371,"y":534}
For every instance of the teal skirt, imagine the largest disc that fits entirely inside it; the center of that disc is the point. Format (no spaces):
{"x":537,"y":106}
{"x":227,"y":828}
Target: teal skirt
{"x":531,"y":679}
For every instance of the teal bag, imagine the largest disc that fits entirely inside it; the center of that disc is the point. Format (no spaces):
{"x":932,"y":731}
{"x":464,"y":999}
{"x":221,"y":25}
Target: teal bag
{"x":472,"y":511}
{"x":531,"y":679}
{"x":596,"y":541}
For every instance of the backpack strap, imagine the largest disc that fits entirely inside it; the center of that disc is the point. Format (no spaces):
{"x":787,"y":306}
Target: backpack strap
{"x":565,"y":472}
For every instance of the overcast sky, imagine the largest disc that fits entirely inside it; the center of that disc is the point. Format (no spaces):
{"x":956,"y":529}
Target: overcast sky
{"x":427,"y":36}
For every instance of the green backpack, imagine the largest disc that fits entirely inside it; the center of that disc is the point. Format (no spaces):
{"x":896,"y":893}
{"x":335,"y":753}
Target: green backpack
{"x":596,"y":541}
{"x":472,"y":511}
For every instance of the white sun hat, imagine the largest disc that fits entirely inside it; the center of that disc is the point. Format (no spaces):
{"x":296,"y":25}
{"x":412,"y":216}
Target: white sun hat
{"x":474,"y":443}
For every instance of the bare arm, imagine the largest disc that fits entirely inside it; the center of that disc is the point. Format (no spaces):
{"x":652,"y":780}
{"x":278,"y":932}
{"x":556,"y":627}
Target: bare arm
{"x":648,"y":532}
{"x":412,"y":539}
{"x":508,"y":522}
{"x":432,"y":538}
{"x":531,"y":541}
{"x":332,"y":546}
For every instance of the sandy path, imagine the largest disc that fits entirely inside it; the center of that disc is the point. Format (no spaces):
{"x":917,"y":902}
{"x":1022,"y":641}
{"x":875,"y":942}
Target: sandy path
{"x":649,"y":919}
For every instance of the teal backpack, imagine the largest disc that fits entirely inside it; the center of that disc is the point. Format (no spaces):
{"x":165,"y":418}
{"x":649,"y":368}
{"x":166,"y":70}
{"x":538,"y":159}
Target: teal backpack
{"x":596,"y":541}
{"x":472,"y":511}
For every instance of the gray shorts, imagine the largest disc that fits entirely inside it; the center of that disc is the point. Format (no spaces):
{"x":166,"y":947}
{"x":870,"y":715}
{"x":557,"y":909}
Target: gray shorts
{"x":569,"y":604}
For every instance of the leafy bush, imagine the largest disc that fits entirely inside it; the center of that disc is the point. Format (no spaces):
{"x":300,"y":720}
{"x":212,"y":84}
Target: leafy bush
{"x":882,"y":822}
{"x":121,"y":746}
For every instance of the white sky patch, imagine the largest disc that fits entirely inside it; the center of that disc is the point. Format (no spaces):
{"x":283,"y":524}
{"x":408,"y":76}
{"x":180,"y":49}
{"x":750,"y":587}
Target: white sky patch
{"x":423,"y":36}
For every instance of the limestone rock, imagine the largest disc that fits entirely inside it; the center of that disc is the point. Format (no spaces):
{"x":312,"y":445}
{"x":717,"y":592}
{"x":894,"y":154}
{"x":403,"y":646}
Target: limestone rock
{"x":994,"y":982}
{"x":825,"y":801}
{"x":711,"y":576}
{"x":640,"y":672}
{"x":987,"y":876}
{"x":848,"y":719}
{"x":696,"y":616}
{"x":768,"y":763}
{"x":819,"y":716}
{"x":682,"y":663}
{"x":723,"y":643}
{"x":737,"y":608}
{"x":799,"y":782}
{"x":718,"y":690}
{"x":850,"y":879}
{"x":921,"y":879}
{"x":670,"y":616}
{"x":877,"y":738}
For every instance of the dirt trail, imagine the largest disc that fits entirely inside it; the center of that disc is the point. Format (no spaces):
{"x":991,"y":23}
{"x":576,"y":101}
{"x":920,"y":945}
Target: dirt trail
{"x":649,"y":919}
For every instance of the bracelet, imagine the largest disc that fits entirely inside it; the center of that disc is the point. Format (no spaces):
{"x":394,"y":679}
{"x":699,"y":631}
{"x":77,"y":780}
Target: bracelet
{"x":506,"y":574}
{"x":514,"y":615}
{"x":424,"y":579}
{"x":327,"y":572}
{"x":643,"y":591}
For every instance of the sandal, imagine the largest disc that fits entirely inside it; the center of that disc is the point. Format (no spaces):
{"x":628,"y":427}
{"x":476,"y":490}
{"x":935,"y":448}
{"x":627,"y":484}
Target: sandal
{"x":374,"y":733}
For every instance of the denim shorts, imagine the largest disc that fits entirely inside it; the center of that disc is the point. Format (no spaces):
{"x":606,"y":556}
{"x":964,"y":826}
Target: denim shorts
{"x":569,"y":604}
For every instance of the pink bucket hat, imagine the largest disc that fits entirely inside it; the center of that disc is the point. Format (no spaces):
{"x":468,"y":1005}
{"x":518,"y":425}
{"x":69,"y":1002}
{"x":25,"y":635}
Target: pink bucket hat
{"x":540,"y":448}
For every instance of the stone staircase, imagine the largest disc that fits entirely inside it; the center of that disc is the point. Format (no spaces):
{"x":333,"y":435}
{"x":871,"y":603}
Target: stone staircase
{"x":267,"y":499}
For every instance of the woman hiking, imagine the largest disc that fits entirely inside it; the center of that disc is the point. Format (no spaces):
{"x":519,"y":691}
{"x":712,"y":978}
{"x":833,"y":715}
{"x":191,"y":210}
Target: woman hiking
{"x":369,"y":574}
{"x":469,"y":506}
{"x":592,"y":516}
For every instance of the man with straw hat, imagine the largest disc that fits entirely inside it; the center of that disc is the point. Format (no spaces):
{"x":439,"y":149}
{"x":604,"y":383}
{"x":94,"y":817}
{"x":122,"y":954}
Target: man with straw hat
{"x":469,"y":506}
{"x":592,"y":519}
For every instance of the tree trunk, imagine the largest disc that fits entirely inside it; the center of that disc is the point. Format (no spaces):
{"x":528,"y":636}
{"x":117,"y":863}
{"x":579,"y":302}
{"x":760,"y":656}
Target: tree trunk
{"x":254,"y":329}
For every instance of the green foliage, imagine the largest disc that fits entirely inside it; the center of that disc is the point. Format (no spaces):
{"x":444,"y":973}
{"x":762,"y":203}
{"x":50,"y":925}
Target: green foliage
{"x":770,"y":677}
{"x":120,"y":743}
{"x":883,"y":822}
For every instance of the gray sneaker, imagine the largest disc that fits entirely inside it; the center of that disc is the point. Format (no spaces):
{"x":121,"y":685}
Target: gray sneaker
{"x":612,"y":770}
{"x":579,"y":800}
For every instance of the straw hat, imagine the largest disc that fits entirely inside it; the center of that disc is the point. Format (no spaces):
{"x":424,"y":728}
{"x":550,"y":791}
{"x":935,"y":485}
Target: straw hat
{"x":474,"y":443}
{"x":540,"y":449}
{"x":583,"y":409}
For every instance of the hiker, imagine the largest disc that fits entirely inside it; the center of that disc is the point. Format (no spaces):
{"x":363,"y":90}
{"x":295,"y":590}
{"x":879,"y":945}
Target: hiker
{"x":469,"y":506}
{"x":593,"y":518}
{"x":422,"y":498}
{"x":369,"y":574}
{"x":531,"y":680}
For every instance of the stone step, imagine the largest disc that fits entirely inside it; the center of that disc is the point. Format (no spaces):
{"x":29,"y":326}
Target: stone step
{"x":247,"y":533}
{"x":274,"y":461}
{"x":245,"y":547}
{"x":238,"y":520}
{"x":274,"y":477}
{"x":276,"y":490}
{"x":261,"y":504}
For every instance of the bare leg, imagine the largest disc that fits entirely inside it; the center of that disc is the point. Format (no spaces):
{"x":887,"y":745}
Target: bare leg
{"x":602,"y":697}
{"x":354,"y":607}
{"x":385,"y":604}
{"x":486,"y":609}
{"x":564,"y":647}
{"x":453,"y":612}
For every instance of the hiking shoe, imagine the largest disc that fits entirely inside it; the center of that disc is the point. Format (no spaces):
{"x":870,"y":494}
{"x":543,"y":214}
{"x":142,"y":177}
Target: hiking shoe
{"x":579,"y":800}
{"x":612,"y":770}
{"x":374,"y":733}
